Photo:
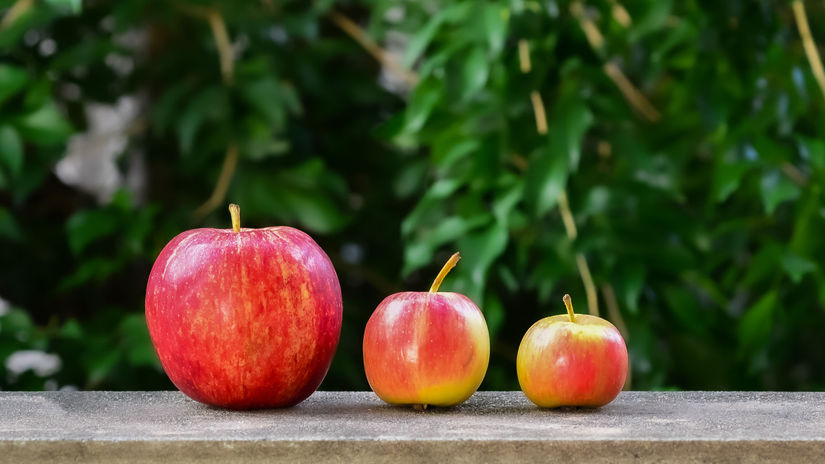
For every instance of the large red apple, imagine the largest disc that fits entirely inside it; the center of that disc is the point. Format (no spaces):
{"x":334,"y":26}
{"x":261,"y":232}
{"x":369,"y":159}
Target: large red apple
{"x":572,"y":360}
{"x":426,"y":348}
{"x":244,"y":318}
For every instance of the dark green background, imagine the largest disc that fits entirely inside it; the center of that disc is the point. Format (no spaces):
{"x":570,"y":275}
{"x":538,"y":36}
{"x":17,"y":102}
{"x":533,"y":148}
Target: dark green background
{"x":707,"y":221}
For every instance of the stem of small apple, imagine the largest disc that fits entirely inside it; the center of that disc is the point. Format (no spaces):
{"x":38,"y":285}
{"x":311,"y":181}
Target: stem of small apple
{"x":235,"y":214}
{"x":420,"y":407}
{"x":444,"y":271}
{"x":568,"y":303}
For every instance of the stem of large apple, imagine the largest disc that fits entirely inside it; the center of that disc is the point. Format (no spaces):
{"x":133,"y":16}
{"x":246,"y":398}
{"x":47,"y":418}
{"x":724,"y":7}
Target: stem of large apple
{"x":444,"y":271}
{"x":568,"y":303}
{"x":235,"y":214}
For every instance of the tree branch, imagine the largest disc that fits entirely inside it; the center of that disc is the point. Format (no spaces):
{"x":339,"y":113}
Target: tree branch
{"x":524,"y":56}
{"x":230,"y":161}
{"x":538,"y":112}
{"x":616,"y":316}
{"x":589,"y":286}
{"x":633,"y":96}
{"x":382,"y":56}
{"x":18,"y":9}
{"x":808,"y":43}
{"x":636,"y":99}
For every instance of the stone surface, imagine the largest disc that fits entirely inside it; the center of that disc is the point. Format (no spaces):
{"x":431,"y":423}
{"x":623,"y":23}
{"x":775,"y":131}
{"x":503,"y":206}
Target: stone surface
{"x":356,"y":426}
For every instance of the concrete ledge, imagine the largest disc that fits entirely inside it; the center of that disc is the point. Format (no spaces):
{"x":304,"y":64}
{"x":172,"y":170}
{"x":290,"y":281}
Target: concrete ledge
{"x":349,"y":427}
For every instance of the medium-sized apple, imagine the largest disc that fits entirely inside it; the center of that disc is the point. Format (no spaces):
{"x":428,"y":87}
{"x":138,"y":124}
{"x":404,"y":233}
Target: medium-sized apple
{"x":244,"y":318}
{"x":572,"y":360}
{"x":426,"y":348}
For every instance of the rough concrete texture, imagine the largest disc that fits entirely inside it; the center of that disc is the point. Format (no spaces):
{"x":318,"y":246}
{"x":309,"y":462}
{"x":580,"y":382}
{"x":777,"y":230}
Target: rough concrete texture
{"x":349,"y":427}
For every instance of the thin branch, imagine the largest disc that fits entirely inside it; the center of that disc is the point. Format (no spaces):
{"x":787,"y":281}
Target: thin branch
{"x":594,"y":36}
{"x":222,"y":186}
{"x":18,"y":9}
{"x":589,"y":285}
{"x":538,"y":111}
{"x":524,"y":56}
{"x":620,"y":14}
{"x":616,"y":316}
{"x":382,"y":56}
{"x":219,"y":33}
{"x":225,"y":52}
{"x":808,"y":43}
{"x":794,"y":173}
{"x":636,"y":99}
{"x":567,"y":216}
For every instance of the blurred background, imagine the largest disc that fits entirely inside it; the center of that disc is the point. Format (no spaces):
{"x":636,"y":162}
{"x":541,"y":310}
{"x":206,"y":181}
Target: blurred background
{"x":661,"y":161}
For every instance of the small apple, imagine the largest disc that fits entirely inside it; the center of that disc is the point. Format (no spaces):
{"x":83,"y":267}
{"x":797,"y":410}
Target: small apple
{"x":426,"y":348}
{"x":572,"y":360}
{"x":244,"y":318}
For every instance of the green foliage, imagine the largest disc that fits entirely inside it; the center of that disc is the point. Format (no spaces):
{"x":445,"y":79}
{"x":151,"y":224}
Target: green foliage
{"x":706,"y":221}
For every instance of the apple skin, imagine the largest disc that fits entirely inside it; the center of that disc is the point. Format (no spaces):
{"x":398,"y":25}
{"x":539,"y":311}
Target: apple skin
{"x":426,"y":348}
{"x":247,"y":319}
{"x":564,"y":363}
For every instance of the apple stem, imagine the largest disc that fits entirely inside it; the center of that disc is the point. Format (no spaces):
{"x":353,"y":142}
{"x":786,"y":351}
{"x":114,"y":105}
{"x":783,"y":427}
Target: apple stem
{"x":235,"y":214}
{"x":420,"y":407}
{"x":568,"y":303}
{"x":444,"y":271}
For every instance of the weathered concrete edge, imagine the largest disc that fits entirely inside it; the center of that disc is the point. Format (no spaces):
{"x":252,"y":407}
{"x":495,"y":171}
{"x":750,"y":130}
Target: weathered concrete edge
{"x":469,"y":451}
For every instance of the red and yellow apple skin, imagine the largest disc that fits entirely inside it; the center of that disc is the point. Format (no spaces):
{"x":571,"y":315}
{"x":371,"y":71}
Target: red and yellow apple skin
{"x":424,"y":348}
{"x":564,"y":363}
{"x":246,"y":319}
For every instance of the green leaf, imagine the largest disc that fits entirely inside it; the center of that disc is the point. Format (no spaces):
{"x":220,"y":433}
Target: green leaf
{"x":478,"y":252}
{"x":73,"y":6}
{"x":496,"y":19}
{"x":12,"y":80}
{"x":776,"y":189}
{"x":135,"y":341}
{"x":11,"y":150}
{"x":474,"y":72}
{"x":421,"y":104}
{"x":271,"y":100}
{"x":211,"y":104}
{"x":545,"y":179}
{"x":86,"y":227}
{"x":551,"y":163}
{"x":813,"y":150}
{"x":494,"y":314}
{"x":631,"y":282}
{"x":726,"y":178}
{"x":755,"y":326}
{"x":9,"y":228}
{"x":796,"y":266}
{"x":431,"y":201}
{"x":44,"y":126}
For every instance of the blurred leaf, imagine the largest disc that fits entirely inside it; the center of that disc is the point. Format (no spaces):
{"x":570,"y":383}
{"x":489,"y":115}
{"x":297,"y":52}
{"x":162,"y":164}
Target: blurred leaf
{"x":755,"y":325}
{"x":495,"y":25}
{"x":266,"y":96}
{"x":210,"y":105}
{"x":422,"y":38}
{"x":74,"y":6}
{"x":85,"y":227}
{"x":422,"y":102}
{"x":474,"y":72}
{"x":11,"y":150}
{"x":137,"y":345}
{"x":797,"y":266}
{"x":551,"y":163}
{"x":727,"y":177}
{"x":44,"y":126}
{"x":9,"y":229}
{"x":776,"y":189}
{"x":12,"y":80}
